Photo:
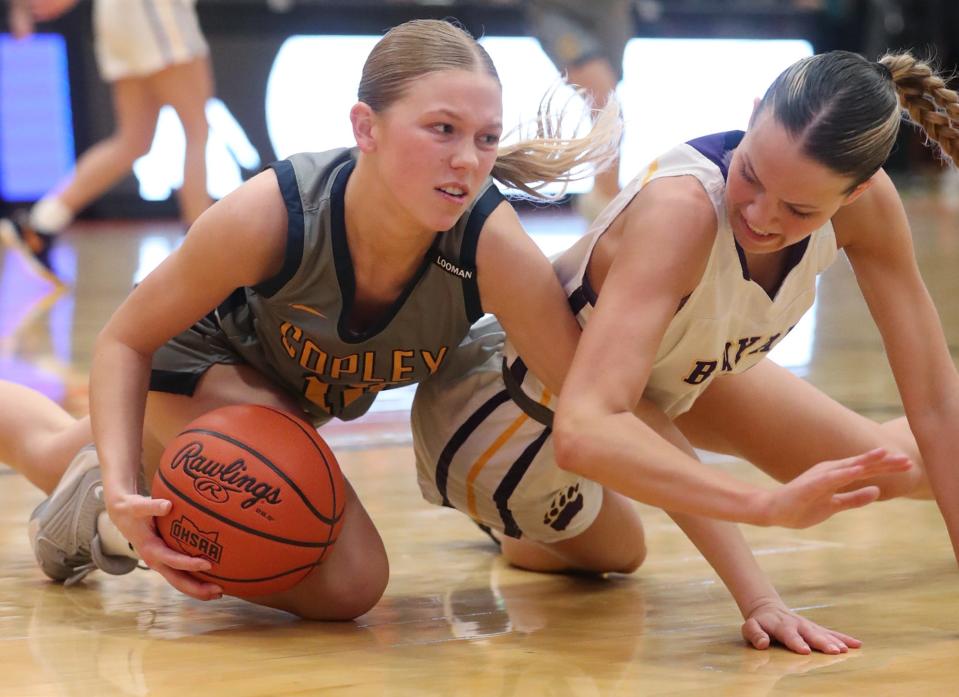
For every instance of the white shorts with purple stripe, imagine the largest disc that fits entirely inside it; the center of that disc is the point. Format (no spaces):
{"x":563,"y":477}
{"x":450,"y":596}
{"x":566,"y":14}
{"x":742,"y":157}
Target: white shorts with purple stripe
{"x":479,"y":452}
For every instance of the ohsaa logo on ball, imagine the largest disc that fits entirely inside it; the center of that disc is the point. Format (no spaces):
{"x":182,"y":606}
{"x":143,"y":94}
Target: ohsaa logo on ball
{"x":192,"y":539}
{"x":215,"y":481}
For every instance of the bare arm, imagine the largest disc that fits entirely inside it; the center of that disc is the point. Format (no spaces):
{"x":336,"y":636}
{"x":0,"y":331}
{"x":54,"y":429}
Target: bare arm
{"x":724,"y":547}
{"x":537,"y":319}
{"x":237,"y":242}
{"x":875,"y":234}
{"x":659,"y":261}
{"x":669,"y":231}
{"x":541,"y":325}
{"x":766,"y":615}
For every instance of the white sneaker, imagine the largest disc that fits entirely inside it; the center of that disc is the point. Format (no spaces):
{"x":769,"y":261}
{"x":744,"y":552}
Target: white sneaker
{"x":63,"y":528}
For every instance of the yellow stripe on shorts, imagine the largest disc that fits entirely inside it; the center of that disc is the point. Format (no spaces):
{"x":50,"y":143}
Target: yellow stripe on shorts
{"x":492,"y":450}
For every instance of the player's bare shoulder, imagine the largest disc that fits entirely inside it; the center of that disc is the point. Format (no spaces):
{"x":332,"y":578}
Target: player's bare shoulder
{"x":250,"y":224}
{"x":671,"y":217}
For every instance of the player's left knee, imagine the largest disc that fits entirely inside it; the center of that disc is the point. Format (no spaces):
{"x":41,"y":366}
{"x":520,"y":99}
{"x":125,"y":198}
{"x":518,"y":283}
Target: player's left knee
{"x":634,"y":558}
{"x":913,"y":484}
{"x":348,"y":597}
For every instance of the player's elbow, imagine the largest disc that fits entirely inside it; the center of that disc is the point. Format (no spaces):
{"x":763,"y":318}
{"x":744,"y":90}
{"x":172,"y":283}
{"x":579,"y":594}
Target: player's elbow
{"x":571,"y":441}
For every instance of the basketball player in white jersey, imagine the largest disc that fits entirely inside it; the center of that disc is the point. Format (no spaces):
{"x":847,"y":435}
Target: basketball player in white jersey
{"x":683,"y":285}
{"x":317,"y":284}
{"x":152,"y":53}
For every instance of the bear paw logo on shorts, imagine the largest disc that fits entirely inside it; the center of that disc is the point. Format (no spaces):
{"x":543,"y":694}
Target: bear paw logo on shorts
{"x":563,"y":508}
{"x":196,"y":542}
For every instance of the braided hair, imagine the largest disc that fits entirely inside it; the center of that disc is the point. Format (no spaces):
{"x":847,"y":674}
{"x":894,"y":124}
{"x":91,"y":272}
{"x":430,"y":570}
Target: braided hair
{"x":846,"y":110}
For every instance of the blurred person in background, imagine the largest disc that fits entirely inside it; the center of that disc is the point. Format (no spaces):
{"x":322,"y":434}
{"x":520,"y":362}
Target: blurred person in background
{"x":152,"y":53}
{"x":586,"y":41}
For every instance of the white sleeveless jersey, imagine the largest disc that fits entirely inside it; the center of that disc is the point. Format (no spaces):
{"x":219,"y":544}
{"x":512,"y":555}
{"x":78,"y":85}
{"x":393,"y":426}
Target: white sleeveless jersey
{"x":728,"y":323}
{"x":482,"y":424}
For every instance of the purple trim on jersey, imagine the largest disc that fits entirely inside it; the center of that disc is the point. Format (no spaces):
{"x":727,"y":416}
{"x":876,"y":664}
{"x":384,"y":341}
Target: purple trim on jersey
{"x":742,"y":261}
{"x":794,"y":255}
{"x":718,"y":148}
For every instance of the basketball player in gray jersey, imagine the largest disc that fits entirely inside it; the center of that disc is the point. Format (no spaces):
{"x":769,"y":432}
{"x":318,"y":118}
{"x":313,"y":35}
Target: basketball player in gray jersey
{"x":299,"y":327}
{"x":312,"y":287}
{"x":682,"y":286}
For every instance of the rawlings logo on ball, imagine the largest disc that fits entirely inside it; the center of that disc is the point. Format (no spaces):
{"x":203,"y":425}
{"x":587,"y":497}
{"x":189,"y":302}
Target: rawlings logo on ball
{"x":212,"y":490}
{"x":214,"y":480}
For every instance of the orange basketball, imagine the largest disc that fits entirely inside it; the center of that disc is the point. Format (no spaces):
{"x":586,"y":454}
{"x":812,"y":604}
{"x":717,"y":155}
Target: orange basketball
{"x":256,"y":492}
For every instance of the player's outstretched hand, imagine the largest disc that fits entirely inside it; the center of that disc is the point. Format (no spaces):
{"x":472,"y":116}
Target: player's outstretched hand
{"x":134,"y":516}
{"x":773,"y":621}
{"x":815,"y":495}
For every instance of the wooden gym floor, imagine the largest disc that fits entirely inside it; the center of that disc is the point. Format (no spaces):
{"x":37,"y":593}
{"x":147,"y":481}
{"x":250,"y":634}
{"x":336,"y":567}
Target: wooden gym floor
{"x":455,"y":619}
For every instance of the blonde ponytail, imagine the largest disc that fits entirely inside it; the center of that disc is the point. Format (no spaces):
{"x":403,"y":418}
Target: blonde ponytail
{"x":422,"y":46}
{"x":548,"y":157}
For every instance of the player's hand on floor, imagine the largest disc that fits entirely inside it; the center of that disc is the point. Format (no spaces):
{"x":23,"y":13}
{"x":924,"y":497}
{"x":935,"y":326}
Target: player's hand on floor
{"x":773,"y":621}
{"x":134,"y":516}
{"x":814,"y":496}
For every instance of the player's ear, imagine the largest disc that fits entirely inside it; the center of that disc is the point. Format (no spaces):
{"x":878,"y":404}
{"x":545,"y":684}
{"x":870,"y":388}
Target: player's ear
{"x":362,"y":117}
{"x":858,"y":191}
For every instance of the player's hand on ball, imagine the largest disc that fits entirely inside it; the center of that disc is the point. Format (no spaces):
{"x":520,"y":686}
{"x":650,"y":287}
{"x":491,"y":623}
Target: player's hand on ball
{"x":773,"y":621}
{"x":134,"y":516}
{"x":814,"y":496}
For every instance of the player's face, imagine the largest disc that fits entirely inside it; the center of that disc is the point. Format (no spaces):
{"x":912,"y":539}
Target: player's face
{"x":776,"y":195}
{"x":438,"y":142}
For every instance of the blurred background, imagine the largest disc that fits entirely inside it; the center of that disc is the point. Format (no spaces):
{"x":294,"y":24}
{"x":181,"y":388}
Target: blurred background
{"x":286,"y":73}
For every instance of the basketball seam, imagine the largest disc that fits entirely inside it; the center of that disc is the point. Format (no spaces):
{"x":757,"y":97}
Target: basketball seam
{"x":261,"y":579}
{"x":329,"y":471}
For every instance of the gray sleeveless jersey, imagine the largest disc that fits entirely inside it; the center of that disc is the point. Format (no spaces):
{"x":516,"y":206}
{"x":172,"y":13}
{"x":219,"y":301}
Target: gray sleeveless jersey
{"x":294,"y":327}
